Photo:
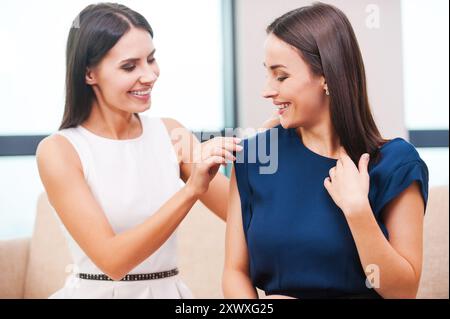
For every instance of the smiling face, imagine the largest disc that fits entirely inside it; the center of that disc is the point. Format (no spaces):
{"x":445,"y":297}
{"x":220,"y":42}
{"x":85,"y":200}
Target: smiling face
{"x":298,"y":94}
{"x":124,"y":79}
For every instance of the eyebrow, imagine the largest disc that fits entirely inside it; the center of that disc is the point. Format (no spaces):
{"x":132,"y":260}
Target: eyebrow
{"x":137,"y":59}
{"x":276,"y":66}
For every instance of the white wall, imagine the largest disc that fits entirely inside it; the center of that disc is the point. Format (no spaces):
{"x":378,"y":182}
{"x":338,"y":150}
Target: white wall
{"x":381,"y":48}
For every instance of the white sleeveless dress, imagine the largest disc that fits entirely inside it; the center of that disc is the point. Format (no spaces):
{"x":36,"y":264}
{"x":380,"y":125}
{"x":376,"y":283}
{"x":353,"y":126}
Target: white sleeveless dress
{"x":131,"y":180}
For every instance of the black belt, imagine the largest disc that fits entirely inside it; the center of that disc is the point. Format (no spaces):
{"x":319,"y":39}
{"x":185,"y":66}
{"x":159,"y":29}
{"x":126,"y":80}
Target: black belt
{"x":131,"y":277}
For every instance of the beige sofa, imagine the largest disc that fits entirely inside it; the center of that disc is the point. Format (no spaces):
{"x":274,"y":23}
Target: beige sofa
{"x":36,"y":267}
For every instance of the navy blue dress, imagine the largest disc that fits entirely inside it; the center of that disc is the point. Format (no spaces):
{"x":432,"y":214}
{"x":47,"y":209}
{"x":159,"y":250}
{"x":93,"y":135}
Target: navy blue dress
{"x":298,"y":240}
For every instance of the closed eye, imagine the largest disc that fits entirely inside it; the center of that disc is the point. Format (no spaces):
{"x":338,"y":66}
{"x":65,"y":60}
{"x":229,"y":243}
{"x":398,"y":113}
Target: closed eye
{"x":131,"y":67}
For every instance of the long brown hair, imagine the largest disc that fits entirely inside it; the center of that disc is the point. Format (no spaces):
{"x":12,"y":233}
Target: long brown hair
{"x":326,"y":41}
{"x":94,"y":32}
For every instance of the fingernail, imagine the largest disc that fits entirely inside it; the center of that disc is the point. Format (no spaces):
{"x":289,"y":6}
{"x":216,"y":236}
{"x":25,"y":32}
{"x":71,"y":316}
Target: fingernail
{"x":239,"y":148}
{"x":237,"y":140}
{"x":366,"y":157}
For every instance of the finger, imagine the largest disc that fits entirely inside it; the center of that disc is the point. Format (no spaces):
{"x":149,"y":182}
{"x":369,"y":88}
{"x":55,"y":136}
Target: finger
{"x":215,"y":160}
{"x":213,"y":167}
{"x":332,"y":173}
{"x":221,"y":141}
{"x":233,"y":147}
{"x":217,"y":151}
{"x":364,"y":163}
{"x":272,"y":122}
{"x":339,"y":163}
{"x":343,"y":156}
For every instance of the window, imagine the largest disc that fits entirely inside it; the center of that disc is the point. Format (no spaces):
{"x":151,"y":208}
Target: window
{"x":426,"y":63}
{"x":189,"y":52}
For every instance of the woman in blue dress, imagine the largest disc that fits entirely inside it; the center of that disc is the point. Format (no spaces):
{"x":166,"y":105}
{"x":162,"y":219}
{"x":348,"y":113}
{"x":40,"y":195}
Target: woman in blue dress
{"x":342,"y":214}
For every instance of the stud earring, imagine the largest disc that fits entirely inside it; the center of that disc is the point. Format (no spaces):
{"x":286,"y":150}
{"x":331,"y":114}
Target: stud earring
{"x":327,"y":92}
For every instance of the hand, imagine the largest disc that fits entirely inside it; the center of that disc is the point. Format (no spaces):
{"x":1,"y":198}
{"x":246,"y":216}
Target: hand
{"x":207,"y":159}
{"x":273,"y":121}
{"x":348,"y":185}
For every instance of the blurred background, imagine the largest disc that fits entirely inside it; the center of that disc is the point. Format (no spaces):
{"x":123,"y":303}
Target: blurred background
{"x":210,"y":53}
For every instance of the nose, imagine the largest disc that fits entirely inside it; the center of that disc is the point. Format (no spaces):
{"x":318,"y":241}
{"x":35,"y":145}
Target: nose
{"x":268,"y":91}
{"x":150,"y":76}
{"x":148,"y":80}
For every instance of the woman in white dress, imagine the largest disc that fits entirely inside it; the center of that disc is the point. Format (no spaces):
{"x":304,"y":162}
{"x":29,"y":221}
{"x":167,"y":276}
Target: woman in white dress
{"x":112,"y":175}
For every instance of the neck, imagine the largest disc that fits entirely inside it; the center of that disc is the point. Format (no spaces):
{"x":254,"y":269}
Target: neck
{"x":113,"y":124}
{"x":321,"y":139}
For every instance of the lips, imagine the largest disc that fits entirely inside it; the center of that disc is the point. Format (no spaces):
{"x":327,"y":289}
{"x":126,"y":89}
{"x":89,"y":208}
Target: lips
{"x":143,"y":92}
{"x":282,"y":107}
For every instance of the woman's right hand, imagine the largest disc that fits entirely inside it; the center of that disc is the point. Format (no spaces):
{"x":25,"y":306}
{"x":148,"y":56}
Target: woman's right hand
{"x":272,"y":122}
{"x":207,"y":159}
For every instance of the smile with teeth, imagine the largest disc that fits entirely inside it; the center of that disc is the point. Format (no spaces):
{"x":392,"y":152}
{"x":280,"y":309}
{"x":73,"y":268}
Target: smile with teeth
{"x":283,"y":106}
{"x":141,"y":93}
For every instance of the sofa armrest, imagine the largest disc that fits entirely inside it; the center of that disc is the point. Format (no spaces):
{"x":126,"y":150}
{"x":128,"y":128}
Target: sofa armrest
{"x":13,"y":267}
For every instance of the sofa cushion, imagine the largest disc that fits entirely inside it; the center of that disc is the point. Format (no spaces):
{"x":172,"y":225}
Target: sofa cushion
{"x":201,"y":245}
{"x":49,"y":256}
{"x":201,"y":252}
{"x":434,"y":282}
{"x":13,"y":267}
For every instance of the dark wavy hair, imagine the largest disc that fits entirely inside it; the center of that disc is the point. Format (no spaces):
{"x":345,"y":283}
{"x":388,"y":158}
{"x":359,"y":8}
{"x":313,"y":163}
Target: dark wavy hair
{"x":326,"y":41}
{"x":94,"y":32}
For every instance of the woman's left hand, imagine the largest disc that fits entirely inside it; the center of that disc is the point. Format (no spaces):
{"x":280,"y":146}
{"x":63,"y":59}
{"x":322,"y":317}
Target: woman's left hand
{"x":348,"y":185}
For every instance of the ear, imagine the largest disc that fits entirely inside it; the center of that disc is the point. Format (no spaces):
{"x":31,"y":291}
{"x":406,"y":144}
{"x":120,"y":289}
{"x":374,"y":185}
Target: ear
{"x":90,"y":77}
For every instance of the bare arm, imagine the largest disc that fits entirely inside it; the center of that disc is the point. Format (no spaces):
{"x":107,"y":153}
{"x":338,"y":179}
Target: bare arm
{"x":186,"y":144}
{"x":236,"y":279}
{"x":399,"y":260}
{"x":115,"y":254}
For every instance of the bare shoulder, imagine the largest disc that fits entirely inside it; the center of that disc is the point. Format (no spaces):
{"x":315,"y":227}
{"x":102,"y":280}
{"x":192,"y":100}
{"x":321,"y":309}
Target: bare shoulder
{"x":56,"y":152}
{"x":176,"y":130}
{"x":182,"y":139}
{"x":171,"y":123}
